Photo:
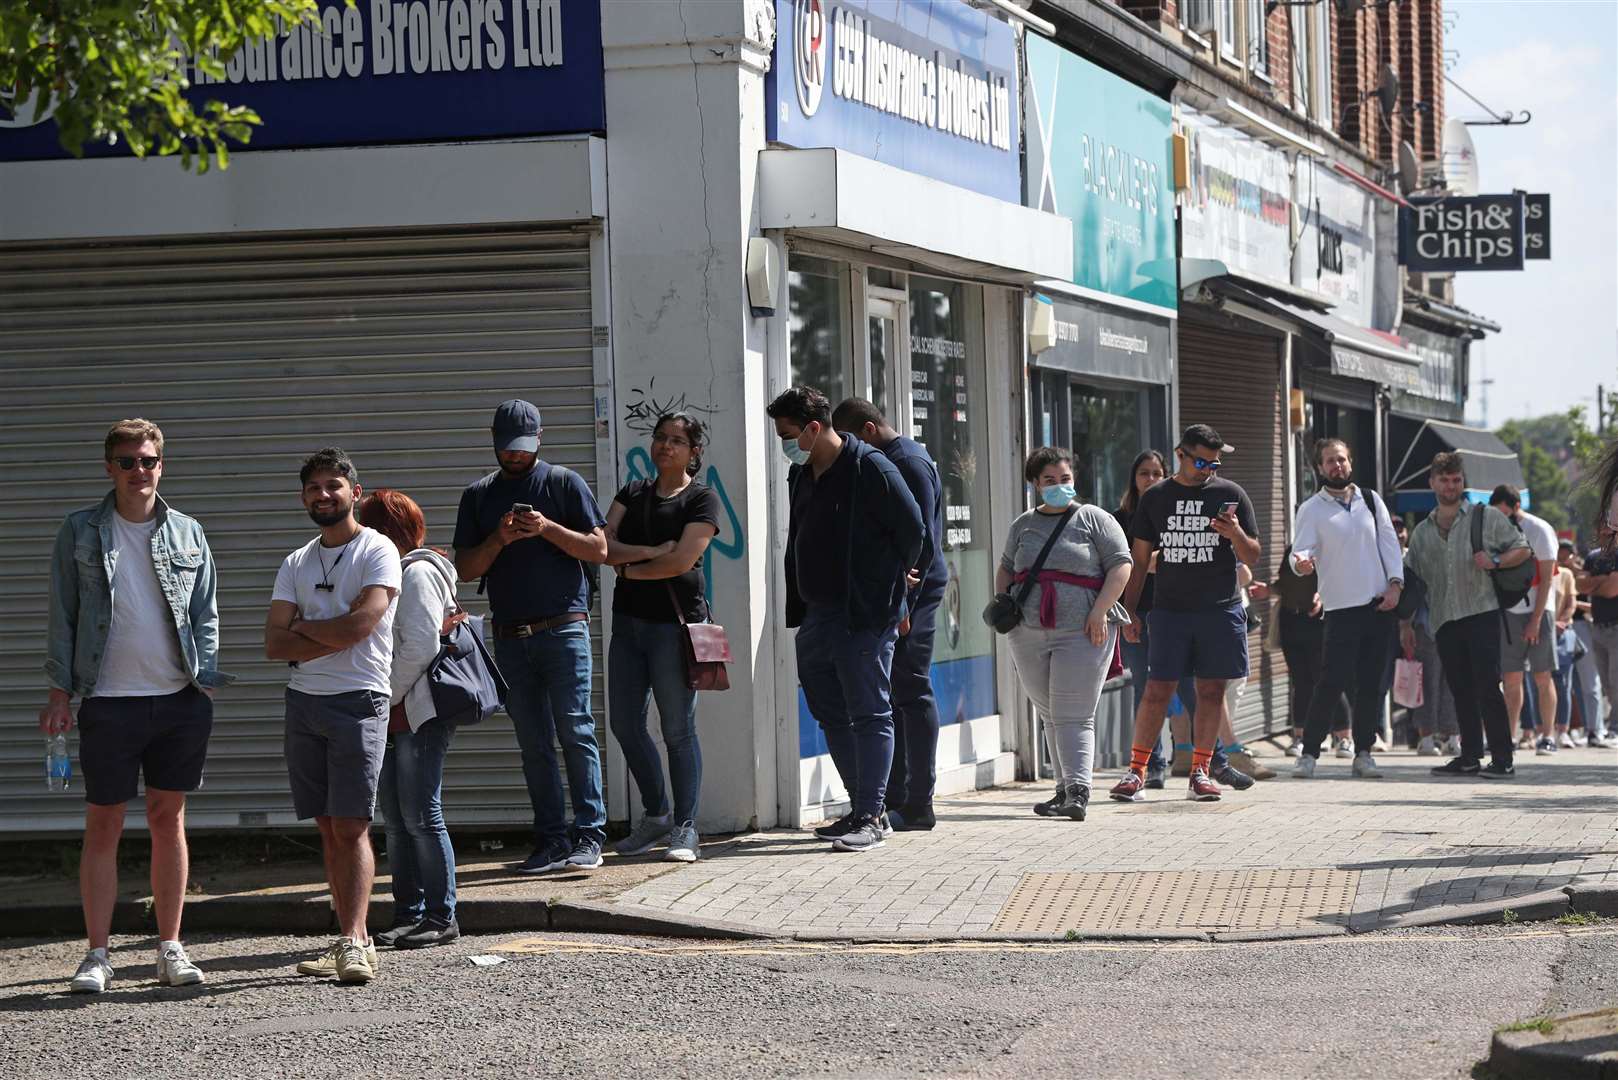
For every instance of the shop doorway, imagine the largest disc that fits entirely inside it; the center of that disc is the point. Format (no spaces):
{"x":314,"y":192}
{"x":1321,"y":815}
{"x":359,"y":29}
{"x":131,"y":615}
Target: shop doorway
{"x":887,"y":355}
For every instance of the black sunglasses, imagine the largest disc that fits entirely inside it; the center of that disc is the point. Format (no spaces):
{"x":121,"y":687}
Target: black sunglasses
{"x":126,"y":462}
{"x":1201,"y":462}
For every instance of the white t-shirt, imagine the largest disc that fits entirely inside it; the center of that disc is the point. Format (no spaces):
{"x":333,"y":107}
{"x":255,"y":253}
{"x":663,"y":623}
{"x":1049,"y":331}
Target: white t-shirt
{"x":142,"y":658}
{"x":368,"y":559}
{"x":1542,"y":539}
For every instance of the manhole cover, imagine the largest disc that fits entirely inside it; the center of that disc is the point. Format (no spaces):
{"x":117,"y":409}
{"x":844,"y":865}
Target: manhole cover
{"x":1052,"y":903}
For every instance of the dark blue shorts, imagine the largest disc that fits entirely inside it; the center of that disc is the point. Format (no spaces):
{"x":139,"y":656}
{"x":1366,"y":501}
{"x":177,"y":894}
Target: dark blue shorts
{"x":1209,"y":643}
{"x":163,"y":738}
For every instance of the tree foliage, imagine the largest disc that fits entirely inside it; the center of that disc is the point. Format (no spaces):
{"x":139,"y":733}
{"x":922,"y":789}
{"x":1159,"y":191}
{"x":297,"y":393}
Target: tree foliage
{"x":1557,"y":452}
{"x":116,"y":71}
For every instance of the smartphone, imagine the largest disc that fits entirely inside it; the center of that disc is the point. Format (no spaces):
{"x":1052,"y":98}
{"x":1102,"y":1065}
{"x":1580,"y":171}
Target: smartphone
{"x":1228,"y":510}
{"x":521,"y":508}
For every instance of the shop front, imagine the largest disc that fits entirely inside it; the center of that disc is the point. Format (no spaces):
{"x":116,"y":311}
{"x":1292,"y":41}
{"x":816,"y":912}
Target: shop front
{"x":1101,"y":345}
{"x":349,"y":280}
{"x":892,"y":184}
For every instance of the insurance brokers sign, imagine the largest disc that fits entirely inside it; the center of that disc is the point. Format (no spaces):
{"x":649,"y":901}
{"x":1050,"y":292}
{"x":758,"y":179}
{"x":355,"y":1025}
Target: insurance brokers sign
{"x":1479,"y":232}
{"x":929,"y":86}
{"x":388,"y":71}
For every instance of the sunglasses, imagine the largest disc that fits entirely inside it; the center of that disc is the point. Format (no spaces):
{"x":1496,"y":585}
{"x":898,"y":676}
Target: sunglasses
{"x":125,"y":462}
{"x":1202,"y":462}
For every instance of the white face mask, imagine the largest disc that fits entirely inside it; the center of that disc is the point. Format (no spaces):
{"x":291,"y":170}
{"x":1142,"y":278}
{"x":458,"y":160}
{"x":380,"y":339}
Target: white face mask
{"x":795,"y":454}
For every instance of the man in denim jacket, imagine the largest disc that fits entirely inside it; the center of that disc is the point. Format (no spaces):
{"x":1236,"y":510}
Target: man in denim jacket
{"x":134,"y":633}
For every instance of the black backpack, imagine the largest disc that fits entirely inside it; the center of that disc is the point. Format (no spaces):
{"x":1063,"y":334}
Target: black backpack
{"x":1511,"y":583}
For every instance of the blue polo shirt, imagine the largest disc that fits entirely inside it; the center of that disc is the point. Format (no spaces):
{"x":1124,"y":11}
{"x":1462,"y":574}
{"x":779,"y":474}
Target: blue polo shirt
{"x":531,"y":579}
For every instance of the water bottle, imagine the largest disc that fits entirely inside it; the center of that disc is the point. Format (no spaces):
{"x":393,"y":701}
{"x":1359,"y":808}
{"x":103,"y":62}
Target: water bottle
{"x":58,"y":766}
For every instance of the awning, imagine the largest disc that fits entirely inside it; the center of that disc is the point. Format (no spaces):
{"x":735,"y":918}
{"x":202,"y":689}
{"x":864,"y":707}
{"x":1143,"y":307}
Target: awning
{"x":844,"y":198}
{"x":1488,"y":462}
{"x":1352,"y":351}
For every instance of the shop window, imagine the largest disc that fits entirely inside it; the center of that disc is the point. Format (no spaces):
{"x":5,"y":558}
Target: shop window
{"x":1110,"y":426}
{"x":948,"y":397}
{"x":817,"y":295}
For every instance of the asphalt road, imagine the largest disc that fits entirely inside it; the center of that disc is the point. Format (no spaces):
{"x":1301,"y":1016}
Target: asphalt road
{"x":1416,"y":1003}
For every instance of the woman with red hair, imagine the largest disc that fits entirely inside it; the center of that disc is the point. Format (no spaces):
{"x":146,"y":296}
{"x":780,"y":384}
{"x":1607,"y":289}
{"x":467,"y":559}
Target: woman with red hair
{"x":410,"y":792}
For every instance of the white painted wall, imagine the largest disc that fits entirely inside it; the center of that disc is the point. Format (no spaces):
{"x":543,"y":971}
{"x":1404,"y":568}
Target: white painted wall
{"x":685,"y":101}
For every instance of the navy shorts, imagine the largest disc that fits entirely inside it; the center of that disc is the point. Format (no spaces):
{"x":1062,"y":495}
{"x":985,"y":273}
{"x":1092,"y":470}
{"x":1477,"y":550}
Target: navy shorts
{"x":164,"y":737}
{"x":334,"y":748}
{"x":1209,"y":643}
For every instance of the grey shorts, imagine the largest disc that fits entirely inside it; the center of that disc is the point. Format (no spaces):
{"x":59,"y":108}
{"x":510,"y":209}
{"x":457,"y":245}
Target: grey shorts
{"x":1516,"y":654}
{"x":334,"y":748}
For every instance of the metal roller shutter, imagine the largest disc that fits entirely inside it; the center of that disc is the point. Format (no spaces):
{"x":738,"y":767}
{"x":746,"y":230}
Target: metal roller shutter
{"x":1230,"y":377}
{"x":250,"y":354}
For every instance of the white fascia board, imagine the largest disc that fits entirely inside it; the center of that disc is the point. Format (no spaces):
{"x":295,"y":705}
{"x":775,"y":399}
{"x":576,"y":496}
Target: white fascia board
{"x":275,"y":190}
{"x":810,"y":191}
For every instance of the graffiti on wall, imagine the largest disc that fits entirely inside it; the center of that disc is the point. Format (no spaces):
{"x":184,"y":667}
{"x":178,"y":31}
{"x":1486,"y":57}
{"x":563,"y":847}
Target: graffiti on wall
{"x":643,"y":407}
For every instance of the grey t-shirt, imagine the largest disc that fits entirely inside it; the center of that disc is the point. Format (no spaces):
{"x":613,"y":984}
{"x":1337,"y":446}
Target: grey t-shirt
{"x":1092,"y":543}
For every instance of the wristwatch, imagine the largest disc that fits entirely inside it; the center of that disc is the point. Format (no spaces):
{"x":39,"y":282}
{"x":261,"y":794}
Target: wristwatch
{"x":1496,"y":559}
{"x":1397,"y":581}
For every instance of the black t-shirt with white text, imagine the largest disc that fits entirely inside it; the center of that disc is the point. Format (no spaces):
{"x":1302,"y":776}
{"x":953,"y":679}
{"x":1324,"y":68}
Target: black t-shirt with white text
{"x":1196,"y":567}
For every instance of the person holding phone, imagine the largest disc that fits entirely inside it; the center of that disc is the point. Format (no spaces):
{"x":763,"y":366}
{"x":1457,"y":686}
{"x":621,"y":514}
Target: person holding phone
{"x":1344,"y":535}
{"x":1200,"y":527}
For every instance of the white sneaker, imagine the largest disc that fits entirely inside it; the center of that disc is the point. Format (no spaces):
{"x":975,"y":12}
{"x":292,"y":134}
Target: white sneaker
{"x":1345,"y":748}
{"x":1452,"y":746}
{"x":1602,"y":742}
{"x":1567,"y":741}
{"x":1428,"y":747}
{"x":1304,"y":768}
{"x":683,"y":843}
{"x":1365,"y":767}
{"x":174,"y":968}
{"x":94,"y":974}
{"x":1295,"y":748}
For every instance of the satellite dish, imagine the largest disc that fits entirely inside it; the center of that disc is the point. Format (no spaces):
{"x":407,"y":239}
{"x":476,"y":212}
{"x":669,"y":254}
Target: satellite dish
{"x":1409,"y":170}
{"x":1387,"y":90}
{"x":1460,"y":158}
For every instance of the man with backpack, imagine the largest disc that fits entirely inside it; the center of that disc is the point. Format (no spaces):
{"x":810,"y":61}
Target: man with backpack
{"x":1457,"y":551}
{"x":1346,"y":534}
{"x":532,"y":530}
{"x":1528,"y":636}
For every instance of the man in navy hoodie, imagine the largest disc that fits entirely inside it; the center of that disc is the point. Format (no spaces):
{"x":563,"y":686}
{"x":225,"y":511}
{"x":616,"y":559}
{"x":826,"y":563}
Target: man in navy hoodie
{"x":915,"y":708}
{"x":847,"y":609}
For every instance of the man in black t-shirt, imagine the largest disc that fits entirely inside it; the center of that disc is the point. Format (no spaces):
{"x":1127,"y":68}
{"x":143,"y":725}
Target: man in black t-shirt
{"x":1200,"y":526}
{"x":1599,"y":580}
{"x":528,"y":529}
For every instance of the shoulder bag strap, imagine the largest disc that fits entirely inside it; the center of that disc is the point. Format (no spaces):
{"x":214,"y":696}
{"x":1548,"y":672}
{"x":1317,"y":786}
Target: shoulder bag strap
{"x":1376,"y":531}
{"x":454,"y":597}
{"x":1039,"y":563}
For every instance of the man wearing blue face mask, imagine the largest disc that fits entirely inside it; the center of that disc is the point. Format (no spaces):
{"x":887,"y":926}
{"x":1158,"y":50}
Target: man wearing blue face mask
{"x":847,"y":610}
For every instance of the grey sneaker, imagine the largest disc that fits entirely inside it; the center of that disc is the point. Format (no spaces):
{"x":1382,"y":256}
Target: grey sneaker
{"x":683,"y":843}
{"x":648,"y":833}
{"x":1365,"y":767}
{"x":93,"y":976}
{"x":174,"y":968}
{"x":586,"y":855}
{"x":1304,"y":768}
{"x":865,"y":835}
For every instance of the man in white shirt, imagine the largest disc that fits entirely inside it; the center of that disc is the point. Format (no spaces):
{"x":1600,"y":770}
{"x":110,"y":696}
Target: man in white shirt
{"x":331,"y":619}
{"x":1528,"y":636}
{"x":134,"y":633}
{"x":1345,"y":536}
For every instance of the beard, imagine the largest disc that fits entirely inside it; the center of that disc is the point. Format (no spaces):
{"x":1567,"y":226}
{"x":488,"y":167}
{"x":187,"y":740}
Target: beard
{"x":323,"y":518}
{"x":1338,"y":484}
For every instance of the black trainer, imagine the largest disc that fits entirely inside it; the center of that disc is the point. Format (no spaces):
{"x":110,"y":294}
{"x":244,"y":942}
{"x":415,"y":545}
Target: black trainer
{"x":429,"y":934}
{"x":1231,"y":776}
{"x":1498,"y":770}
{"x":391,"y":936}
{"x":837,"y":828}
{"x":551,"y":857}
{"x":912,"y":819}
{"x":1075,"y":801}
{"x":1154,"y":778}
{"x":1048,"y":807}
{"x":1461,"y":766}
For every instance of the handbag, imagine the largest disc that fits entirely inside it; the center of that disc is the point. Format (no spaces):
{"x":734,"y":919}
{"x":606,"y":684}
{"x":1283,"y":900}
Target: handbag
{"x":465,"y":683}
{"x":706,"y":645}
{"x":1004,"y":612}
{"x":1407,"y":683}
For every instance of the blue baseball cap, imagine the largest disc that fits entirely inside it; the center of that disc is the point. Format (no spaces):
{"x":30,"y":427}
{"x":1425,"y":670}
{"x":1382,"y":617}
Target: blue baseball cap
{"x":516,"y":426}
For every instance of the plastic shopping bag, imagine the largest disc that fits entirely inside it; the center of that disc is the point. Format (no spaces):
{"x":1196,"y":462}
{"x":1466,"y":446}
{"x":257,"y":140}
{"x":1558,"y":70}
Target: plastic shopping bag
{"x":1407,"y":683}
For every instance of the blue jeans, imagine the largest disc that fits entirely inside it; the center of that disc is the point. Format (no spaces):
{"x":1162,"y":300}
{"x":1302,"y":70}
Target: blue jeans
{"x":915,"y":712}
{"x":419,"y":852}
{"x":647,"y":660}
{"x":846,"y":677}
{"x":1134,"y":657}
{"x":549,"y":700}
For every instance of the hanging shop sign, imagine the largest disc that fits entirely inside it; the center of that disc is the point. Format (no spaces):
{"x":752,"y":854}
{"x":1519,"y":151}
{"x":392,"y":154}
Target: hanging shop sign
{"x":1536,"y":227}
{"x":1442,"y":355}
{"x":391,"y":71}
{"x":1099,"y":153}
{"x":1238,"y":208}
{"x":928,"y":86}
{"x":1336,"y":252}
{"x":1480,"y":232}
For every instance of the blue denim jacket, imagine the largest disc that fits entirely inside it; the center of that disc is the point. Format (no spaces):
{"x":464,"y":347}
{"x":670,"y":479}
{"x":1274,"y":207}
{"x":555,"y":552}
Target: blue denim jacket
{"x":81,"y":596}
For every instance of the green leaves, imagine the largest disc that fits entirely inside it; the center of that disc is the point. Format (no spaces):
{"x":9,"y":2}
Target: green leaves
{"x":114,"y":71}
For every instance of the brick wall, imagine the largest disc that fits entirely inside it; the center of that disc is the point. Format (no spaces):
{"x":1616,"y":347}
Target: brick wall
{"x":1430,"y":78}
{"x":1156,"y":13}
{"x":1410,"y":37}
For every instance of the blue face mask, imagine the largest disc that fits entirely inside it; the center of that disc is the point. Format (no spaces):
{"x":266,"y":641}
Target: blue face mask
{"x":796,"y":454}
{"x":1057,"y":496}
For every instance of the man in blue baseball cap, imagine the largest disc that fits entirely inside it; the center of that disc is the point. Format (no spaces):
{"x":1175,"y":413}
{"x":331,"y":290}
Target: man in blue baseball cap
{"x":531,"y":530}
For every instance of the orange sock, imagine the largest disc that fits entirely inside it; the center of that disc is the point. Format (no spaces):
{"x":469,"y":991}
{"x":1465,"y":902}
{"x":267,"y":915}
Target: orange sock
{"x":1200,"y":759}
{"x":1138,"y":757}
